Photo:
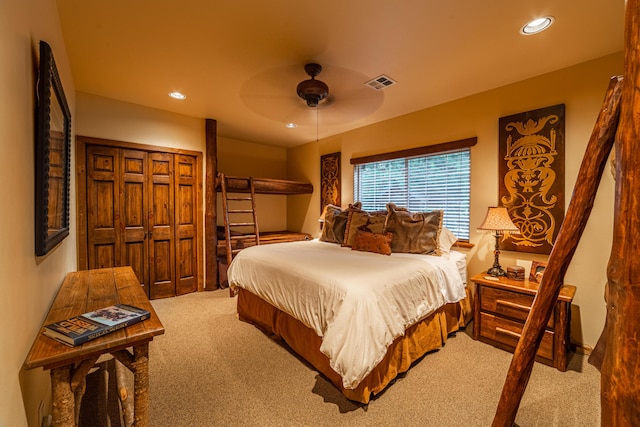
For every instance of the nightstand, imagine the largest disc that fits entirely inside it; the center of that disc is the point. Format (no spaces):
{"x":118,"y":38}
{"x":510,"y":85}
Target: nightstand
{"x":501,"y":307}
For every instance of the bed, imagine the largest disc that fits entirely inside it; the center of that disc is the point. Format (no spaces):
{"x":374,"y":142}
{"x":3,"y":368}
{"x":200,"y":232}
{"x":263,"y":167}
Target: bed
{"x":360,"y":318}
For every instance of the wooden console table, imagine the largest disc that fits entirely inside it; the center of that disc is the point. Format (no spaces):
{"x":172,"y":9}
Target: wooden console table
{"x":85,"y":291}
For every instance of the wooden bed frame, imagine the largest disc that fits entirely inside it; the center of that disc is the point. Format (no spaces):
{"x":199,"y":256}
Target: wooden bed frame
{"x":427,"y":335}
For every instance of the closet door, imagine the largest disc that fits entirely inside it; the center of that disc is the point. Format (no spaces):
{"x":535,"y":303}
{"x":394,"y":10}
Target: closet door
{"x":186,"y":224}
{"x":133,"y":216}
{"x":103,"y":207}
{"x":161,"y":226}
{"x":142,"y":210}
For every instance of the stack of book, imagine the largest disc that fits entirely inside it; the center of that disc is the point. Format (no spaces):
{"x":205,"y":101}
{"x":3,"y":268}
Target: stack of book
{"x":515,"y":272}
{"x":80,"y":329}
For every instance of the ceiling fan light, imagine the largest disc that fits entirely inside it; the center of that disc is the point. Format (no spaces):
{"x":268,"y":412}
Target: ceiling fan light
{"x":313,"y":91}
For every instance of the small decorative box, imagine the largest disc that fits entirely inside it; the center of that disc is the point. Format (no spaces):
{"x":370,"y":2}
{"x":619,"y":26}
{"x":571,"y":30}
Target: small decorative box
{"x":515,"y":272}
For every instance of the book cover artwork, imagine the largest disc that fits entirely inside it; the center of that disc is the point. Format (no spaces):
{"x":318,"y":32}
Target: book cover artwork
{"x":112,"y":315}
{"x":80,"y":329}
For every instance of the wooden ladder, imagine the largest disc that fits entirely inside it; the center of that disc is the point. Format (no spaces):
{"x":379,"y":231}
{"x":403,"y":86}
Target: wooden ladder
{"x":238,"y":213}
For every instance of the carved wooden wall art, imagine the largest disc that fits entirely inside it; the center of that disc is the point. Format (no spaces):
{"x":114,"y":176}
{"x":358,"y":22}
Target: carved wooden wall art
{"x":330,"y":180}
{"x":532,"y":177}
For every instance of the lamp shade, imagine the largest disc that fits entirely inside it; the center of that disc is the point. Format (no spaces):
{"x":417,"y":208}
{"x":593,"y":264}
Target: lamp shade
{"x":498,"y":219}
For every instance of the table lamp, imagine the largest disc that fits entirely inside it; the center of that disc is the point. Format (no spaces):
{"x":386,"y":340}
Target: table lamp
{"x":499,"y":222}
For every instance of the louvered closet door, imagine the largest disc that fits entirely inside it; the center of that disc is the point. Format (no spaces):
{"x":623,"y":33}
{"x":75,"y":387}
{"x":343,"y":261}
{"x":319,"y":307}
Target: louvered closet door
{"x":103,"y":207}
{"x":161,"y":226}
{"x":186,"y":224}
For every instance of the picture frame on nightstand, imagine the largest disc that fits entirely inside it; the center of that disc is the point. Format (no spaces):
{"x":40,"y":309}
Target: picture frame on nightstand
{"x":537,"y":271}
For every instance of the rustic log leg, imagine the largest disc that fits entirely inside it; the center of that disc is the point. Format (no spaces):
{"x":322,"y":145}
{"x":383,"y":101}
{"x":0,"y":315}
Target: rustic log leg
{"x":63,"y":400}
{"x":591,"y":169}
{"x":78,"y":394}
{"x":141,"y":385}
{"x":126,"y":402}
{"x":620,"y":370}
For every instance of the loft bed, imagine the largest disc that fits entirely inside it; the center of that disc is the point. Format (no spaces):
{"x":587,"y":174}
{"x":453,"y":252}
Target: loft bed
{"x":260,"y":186}
{"x":266,"y":186}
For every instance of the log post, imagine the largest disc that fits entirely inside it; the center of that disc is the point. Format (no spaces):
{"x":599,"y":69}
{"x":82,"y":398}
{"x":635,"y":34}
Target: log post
{"x":210,"y":229}
{"x":620,"y":370}
{"x":591,"y":169}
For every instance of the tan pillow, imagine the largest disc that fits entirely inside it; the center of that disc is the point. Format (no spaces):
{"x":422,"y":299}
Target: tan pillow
{"x":369,"y":221}
{"x":414,"y":232}
{"x":372,"y":242}
{"x":335,"y":222}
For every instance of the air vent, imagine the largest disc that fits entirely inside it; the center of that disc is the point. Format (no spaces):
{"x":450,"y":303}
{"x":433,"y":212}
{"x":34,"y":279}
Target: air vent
{"x":380,"y":82}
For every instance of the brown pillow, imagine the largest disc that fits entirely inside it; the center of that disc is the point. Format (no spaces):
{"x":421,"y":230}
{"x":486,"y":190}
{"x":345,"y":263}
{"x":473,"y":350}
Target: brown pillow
{"x":335,"y":222}
{"x":371,"y":221}
{"x":372,"y":242}
{"x":414,"y":232}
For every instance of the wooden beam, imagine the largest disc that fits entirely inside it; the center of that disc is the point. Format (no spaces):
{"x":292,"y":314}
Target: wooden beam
{"x":210,"y":235}
{"x":591,"y":169}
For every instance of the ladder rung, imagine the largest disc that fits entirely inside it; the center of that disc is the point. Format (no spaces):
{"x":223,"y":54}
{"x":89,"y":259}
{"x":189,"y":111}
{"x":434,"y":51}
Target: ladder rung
{"x":244,"y":236}
{"x":241,"y":224}
{"x":238,"y":198}
{"x":235,"y":251}
{"x":240,"y":211}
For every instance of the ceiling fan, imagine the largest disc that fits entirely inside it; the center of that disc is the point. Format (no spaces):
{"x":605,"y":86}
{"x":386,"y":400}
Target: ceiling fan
{"x":270,"y":94}
{"x":311,"y":90}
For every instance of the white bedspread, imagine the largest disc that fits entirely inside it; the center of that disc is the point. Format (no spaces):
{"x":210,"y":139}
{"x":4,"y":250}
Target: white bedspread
{"x":358,"y":302}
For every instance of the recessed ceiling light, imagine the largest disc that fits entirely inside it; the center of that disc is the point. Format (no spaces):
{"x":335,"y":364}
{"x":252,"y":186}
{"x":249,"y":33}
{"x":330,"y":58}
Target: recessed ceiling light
{"x":537,"y":25}
{"x":291,"y":125}
{"x":178,"y":95}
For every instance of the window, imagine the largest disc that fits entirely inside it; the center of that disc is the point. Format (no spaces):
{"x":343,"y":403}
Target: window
{"x":419,"y":183}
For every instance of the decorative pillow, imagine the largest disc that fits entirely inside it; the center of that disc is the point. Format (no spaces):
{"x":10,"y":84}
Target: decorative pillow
{"x":372,"y":221}
{"x":372,"y":242}
{"x":447,"y":240}
{"x":335,"y":222}
{"x":414,"y":232}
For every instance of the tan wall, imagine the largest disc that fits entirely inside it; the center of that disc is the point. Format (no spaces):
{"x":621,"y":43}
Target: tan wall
{"x":581,"y":88}
{"x":241,"y":158}
{"x":29,"y":283}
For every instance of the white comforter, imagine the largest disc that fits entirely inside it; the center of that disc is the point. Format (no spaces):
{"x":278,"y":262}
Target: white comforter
{"x":358,"y":302}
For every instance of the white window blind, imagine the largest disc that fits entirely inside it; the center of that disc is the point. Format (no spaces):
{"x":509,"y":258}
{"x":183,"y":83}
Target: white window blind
{"x":421,"y":184}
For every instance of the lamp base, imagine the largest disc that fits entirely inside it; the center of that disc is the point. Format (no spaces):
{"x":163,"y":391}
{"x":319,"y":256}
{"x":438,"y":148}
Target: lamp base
{"x":496,"y":271}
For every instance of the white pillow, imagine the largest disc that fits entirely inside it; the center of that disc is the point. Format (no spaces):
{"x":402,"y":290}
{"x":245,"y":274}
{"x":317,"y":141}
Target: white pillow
{"x":447,"y":239}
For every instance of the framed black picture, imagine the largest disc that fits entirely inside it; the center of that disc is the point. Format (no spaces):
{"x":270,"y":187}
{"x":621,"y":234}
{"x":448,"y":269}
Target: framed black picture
{"x":53,"y":156}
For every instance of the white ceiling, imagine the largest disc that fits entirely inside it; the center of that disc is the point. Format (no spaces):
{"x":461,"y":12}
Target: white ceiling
{"x":239,"y":61}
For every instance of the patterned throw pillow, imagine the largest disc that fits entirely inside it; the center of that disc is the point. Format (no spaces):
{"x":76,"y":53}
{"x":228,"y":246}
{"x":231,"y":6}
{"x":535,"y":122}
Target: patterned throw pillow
{"x":372,"y":242}
{"x":373,"y":221}
{"x":335,"y":222}
{"x":414,"y":232}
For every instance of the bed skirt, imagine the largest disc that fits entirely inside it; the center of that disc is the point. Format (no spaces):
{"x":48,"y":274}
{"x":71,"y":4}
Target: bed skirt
{"x":429,"y":334}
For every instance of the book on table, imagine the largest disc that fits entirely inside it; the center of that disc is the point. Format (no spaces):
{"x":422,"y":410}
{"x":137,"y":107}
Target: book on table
{"x":94,"y":324}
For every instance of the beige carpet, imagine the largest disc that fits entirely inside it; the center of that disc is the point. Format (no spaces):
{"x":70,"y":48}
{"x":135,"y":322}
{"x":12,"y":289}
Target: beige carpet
{"x":211,"y":369}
